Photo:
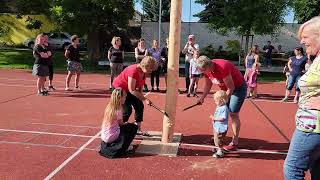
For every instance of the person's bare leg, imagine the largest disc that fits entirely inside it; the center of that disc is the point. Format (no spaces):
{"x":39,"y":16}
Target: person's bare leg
{"x":255,"y":92}
{"x":286,"y":96}
{"x":296,"y":97}
{"x":68,"y":78}
{"x":195,"y":86}
{"x":43,"y":81}
{"x":39,"y":84}
{"x":236,"y":124}
{"x":191,"y":86}
{"x":77,"y":79}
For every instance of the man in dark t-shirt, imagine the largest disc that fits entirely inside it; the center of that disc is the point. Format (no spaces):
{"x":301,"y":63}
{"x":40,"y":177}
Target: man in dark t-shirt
{"x":268,"y":54}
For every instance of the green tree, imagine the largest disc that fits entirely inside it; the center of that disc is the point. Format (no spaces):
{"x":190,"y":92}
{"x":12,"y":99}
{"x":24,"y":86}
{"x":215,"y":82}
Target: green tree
{"x":151,"y":8}
{"x":305,"y":9}
{"x":99,"y":19}
{"x":244,"y":16}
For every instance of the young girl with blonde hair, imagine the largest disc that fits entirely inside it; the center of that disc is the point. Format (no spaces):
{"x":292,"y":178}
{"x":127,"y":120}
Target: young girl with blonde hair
{"x":116,"y":135}
{"x":252,"y":80}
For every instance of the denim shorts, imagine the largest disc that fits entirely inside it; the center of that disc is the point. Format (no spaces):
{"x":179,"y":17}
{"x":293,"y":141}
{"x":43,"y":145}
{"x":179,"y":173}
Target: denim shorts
{"x":237,"y":98}
{"x":293,"y":79}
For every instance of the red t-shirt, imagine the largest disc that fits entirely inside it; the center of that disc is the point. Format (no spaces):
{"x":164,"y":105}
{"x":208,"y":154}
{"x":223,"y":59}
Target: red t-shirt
{"x":122,"y":79}
{"x":223,"y":68}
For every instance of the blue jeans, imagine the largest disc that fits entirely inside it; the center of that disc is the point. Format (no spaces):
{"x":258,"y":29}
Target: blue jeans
{"x":293,"y":80}
{"x":237,"y":98}
{"x":303,"y":154}
{"x":267,"y":61}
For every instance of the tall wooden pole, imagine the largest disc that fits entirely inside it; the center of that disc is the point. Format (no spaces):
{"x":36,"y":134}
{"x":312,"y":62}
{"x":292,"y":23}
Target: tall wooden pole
{"x":173,"y":71}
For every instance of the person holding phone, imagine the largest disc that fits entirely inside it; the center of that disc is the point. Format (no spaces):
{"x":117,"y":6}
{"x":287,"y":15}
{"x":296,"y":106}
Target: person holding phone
{"x":188,"y":50}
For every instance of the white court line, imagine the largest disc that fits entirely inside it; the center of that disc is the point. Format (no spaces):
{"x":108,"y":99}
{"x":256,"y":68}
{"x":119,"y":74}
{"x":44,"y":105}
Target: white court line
{"x":147,"y":94}
{"x":267,"y":100}
{"x":37,"y":135}
{"x":43,"y":145}
{"x":77,"y":132}
{"x":186,"y":144}
{"x":46,"y":133}
{"x":17,"y":85}
{"x":67,"y":125}
{"x":238,"y":150}
{"x":62,"y":82}
{"x":72,"y":156}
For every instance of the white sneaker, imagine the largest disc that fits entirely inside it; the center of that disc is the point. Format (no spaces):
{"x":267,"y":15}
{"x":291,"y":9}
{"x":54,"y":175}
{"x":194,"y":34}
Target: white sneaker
{"x":218,"y":154}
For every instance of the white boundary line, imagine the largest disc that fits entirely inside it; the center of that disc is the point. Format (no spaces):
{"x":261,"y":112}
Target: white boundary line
{"x":17,"y":85}
{"x":239,"y":150}
{"x":62,"y":82}
{"x":47,"y":133}
{"x":43,"y":145}
{"x":268,"y":100}
{"x":67,"y":125}
{"x":54,"y":172}
{"x":68,"y":138}
{"x":185,"y":144}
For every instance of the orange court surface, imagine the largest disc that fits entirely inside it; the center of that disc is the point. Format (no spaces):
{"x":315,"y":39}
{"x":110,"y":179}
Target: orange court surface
{"x":57,"y":136}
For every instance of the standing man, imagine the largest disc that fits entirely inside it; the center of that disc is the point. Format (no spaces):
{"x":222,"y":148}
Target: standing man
{"x":268,"y":54}
{"x":188,"y":50}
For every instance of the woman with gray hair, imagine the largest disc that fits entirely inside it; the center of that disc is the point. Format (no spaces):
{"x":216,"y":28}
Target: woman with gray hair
{"x":304,"y":150}
{"x":224,"y":74}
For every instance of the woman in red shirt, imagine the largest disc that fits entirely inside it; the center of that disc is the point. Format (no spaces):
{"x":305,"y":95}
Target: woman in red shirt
{"x":224,"y":74}
{"x":131,"y":80}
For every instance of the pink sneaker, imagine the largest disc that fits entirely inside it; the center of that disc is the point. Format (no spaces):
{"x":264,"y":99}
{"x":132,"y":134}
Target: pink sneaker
{"x":230,"y":147}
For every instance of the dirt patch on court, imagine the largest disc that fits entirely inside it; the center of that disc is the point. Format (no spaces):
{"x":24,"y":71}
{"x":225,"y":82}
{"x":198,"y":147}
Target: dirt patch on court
{"x":218,"y":165}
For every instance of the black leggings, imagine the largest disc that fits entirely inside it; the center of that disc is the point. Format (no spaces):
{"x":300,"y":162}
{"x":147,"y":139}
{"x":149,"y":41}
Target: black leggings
{"x":138,"y":106}
{"x":50,"y":72}
{"x":119,"y":147}
{"x":155,"y":74}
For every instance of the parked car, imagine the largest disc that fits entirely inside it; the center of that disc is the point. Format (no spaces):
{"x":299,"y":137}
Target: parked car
{"x":57,"y":40}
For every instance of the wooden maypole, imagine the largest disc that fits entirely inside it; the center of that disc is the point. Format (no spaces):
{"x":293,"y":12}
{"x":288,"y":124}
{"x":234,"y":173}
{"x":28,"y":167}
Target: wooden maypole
{"x":173,"y":71}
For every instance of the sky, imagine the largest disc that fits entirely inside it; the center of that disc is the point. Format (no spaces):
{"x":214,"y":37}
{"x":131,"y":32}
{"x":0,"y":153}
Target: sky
{"x":195,"y":8}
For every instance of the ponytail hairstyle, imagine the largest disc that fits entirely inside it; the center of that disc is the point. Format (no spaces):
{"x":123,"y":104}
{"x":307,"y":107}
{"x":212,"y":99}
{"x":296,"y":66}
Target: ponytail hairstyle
{"x":113,"y":107}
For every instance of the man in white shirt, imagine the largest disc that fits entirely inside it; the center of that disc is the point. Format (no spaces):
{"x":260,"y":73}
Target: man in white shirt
{"x":188,"y":50}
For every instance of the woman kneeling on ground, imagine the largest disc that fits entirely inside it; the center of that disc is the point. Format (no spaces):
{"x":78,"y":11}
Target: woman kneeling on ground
{"x":116,"y":136}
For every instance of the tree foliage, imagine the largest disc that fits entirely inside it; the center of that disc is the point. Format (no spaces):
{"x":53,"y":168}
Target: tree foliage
{"x":95,"y":18}
{"x":243,"y":16}
{"x":305,"y":9}
{"x":151,"y":8}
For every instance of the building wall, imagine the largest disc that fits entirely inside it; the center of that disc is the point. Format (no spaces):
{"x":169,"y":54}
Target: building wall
{"x":286,"y":37}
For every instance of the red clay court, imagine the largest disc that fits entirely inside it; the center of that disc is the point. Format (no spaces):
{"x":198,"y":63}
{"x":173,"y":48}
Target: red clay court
{"x":57,"y":135}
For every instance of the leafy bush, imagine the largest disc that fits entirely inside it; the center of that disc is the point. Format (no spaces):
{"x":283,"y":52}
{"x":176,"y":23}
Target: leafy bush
{"x":208,"y":51}
{"x":231,"y":53}
{"x":233,"y":46}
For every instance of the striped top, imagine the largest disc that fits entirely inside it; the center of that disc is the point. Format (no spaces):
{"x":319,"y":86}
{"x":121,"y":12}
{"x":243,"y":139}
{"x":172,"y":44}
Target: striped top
{"x":308,"y":120}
